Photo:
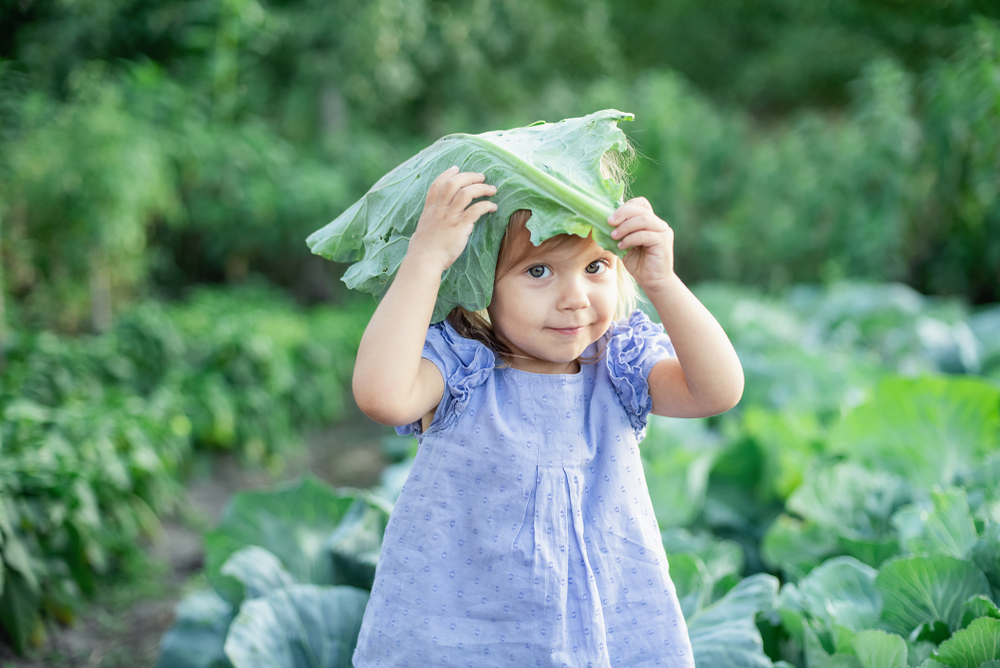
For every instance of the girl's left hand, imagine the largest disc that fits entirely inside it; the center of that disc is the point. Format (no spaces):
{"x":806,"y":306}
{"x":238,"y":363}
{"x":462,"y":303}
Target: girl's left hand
{"x":649,"y":240}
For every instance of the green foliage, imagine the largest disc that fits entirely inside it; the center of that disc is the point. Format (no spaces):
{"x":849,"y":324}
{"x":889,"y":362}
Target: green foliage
{"x":724,"y":634}
{"x":86,"y":179}
{"x":282,"y":555}
{"x":98,"y":432}
{"x":196,"y":639}
{"x":972,"y":647}
{"x":296,"y":524}
{"x":299,"y":626}
{"x":202,"y":140}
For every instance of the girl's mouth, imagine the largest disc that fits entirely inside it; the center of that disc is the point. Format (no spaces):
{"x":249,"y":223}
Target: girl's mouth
{"x":568,"y":331}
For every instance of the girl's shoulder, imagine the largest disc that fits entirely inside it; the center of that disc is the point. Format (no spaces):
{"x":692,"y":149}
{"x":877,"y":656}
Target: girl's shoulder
{"x":632,"y":348}
{"x":464,"y":364}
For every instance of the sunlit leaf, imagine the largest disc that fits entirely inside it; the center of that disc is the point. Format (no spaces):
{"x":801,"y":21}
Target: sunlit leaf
{"x":927,"y":430}
{"x":198,"y":634}
{"x":293,"y":522}
{"x":878,"y":649}
{"x":724,"y":634}
{"x":258,"y":570}
{"x":918,"y":590}
{"x":300,"y":626}
{"x":944,"y":528}
{"x":971,"y":646}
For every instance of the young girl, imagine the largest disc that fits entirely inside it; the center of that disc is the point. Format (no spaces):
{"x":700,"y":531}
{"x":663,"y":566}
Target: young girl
{"x":524,"y":535}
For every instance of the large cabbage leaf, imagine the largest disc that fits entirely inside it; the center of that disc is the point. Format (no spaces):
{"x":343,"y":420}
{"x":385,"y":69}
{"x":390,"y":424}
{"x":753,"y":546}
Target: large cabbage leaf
{"x":554,"y":170}
{"x":725,"y":635}
{"x":298,"y":523}
{"x":299,"y":626}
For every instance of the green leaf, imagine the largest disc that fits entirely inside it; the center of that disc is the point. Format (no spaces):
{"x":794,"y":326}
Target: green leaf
{"x":788,"y":441}
{"x":836,"y":661}
{"x":198,"y":634}
{"x":357,"y":541}
{"x":293,"y":522}
{"x":871,"y":551}
{"x":935,"y":632}
{"x":691,"y":580}
{"x":818,"y":657}
{"x":724,"y":634}
{"x":842,"y":592}
{"x":677,"y":458}
{"x":928,"y":430}
{"x":919,"y":590}
{"x":796,"y":547}
{"x":300,"y":626}
{"x":972,"y":646}
{"x":918,"y":651}
{"x":16,"y":557}
{"x":721,"y":561}
{"x":19,"y":607}
{"x":986,"y":554}
{"x":978,"y":606}
{"x":554,"y":170}
{"x":258,"y":570}
{"x":878,"y":649}
{"x":946,"y":527}
{"x":849,"y":496}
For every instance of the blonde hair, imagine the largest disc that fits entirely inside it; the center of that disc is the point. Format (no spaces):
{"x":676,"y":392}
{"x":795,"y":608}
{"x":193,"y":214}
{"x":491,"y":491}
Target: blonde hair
{"x":516,"y":248}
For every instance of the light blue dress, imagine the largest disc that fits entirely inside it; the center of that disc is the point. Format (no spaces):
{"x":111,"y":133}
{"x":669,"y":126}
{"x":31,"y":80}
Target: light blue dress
{"x":525,"y":535}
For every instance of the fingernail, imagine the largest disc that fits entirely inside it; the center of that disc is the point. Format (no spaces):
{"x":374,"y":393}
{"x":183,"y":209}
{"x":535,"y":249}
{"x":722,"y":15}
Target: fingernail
{"x":621,"y":244}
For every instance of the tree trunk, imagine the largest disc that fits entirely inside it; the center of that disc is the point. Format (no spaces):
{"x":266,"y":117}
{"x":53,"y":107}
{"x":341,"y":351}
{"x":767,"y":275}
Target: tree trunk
{"x":100,"y":291}
{"x":3,"y":313}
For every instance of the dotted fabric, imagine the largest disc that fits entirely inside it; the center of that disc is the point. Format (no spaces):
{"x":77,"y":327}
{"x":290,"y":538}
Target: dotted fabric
{"x":524,"y":535}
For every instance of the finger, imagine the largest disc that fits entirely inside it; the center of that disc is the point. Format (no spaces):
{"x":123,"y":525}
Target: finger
{"x":630,"y":225}
{"x":438,"y":183}
{"x":477,"y":211}
{"x":456,"y":183}
{"x":471,"y":192}
{"x":641,"y":202}
{"x":643,"y":238}
{"x":625,"y":212}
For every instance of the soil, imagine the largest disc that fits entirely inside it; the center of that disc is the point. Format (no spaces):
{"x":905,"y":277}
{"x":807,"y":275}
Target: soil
{"x":122,"y":626}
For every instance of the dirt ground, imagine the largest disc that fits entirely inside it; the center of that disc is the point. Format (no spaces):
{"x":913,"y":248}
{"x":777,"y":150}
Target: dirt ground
{"x":123,"y":625}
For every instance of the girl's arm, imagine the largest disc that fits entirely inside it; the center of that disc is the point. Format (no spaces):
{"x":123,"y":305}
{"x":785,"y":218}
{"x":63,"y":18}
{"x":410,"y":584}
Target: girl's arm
{"x":706,"y":377}
{"x":392,"y":383}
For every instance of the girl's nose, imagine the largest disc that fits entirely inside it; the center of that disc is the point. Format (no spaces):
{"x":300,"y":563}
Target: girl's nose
{"x":574,"y":296}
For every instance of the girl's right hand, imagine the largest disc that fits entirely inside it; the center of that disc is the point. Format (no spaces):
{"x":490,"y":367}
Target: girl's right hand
{"x":447,"y":220}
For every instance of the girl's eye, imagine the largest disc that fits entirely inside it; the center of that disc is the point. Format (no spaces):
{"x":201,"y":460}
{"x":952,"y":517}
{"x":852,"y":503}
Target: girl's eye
{"x":596,"y":267}
{"x":539,"y":271}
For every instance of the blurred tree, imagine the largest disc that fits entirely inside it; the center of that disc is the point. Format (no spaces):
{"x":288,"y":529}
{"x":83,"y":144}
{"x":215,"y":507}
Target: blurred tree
{"x":84,"y":181}
{"x":958,"y":247}
{"x":270,"y":117}
{"x":777,"y":55}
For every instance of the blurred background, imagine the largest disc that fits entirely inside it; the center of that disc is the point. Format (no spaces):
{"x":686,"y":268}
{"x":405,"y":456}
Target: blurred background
{"x":831,"y":169}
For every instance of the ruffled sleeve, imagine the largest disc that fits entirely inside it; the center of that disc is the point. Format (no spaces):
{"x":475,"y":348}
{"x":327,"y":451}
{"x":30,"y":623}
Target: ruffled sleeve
{"x":633,"y":349}
{"x":464,"y":364}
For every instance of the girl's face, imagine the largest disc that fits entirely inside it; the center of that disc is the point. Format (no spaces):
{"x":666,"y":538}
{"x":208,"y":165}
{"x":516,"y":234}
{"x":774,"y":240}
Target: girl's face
{"x":549,"y":307}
